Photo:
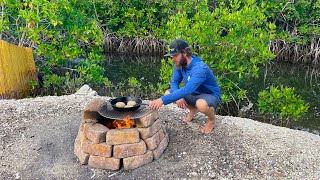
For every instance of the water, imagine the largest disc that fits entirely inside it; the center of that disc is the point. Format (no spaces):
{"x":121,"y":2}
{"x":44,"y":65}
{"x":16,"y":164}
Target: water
{"x":146,"y":70}
{"x":120,"y":69}
{"x":304,"y":79}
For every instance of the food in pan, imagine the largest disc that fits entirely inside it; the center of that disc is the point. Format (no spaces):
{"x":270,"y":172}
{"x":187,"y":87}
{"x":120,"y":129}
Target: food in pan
{"x":131,"y":103}
{"x":128,"y":106}
{"x":120,"y":104}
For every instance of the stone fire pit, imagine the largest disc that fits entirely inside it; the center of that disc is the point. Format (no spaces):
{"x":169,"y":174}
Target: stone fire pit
{"x":104,"y":148}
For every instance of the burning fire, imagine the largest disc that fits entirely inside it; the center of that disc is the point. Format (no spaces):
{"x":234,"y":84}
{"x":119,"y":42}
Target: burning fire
{"x":125,"y":123}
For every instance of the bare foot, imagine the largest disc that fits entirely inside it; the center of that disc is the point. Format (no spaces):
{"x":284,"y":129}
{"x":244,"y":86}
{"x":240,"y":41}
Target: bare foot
{"x":207,"y":129}
{"x":189,"y":117}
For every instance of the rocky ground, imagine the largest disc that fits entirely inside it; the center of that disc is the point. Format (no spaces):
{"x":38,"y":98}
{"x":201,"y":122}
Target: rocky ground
{"x":37,"y":137}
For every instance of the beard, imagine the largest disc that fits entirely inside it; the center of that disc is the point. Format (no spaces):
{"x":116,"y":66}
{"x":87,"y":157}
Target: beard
{"x":183,"y":62}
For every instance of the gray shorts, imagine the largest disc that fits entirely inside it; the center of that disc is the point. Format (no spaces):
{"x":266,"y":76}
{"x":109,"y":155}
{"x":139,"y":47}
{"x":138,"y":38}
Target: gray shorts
{"x":211,"y":100}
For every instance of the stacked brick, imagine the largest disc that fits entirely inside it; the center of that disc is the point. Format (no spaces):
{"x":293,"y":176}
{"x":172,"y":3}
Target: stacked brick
{"x":102,"y":148}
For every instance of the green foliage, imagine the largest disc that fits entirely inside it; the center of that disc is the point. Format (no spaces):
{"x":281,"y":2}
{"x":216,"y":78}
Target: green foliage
{"x":60,"y":85}
{"x":297,"y":21}
{"x":165,"y":76}
{"x":54,"y":82}
{"x":34,"y":86}
{"x":232,"y":40}
{"x":134,"y":84}
{"x":282,"y":101}
{"x":59,"y":32}
{"x":137,"y":18}
{"x":62,"y":32}
{"x":134,"y":87}
{"x":93,"y":73}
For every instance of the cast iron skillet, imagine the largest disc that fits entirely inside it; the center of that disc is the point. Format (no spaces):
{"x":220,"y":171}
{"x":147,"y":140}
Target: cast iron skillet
{"x":125,"y":100}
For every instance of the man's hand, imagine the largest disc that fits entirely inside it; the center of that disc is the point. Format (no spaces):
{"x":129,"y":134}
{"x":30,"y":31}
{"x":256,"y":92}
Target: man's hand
{"x":156,"y":104}
{"x":181,"y":103}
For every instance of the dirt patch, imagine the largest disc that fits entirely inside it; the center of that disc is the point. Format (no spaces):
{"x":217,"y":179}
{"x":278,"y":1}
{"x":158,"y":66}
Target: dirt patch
{"x":37,"y":140}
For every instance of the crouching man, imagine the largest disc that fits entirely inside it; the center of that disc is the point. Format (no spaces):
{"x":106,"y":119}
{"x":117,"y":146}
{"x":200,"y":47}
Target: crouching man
{"x":201,"y":92}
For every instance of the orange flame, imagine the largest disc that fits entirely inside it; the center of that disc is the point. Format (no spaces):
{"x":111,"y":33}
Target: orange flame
{"x":125,"y":123}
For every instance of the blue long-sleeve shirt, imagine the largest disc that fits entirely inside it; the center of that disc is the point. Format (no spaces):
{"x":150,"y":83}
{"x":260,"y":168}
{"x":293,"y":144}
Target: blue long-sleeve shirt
{"x":198,"y":79}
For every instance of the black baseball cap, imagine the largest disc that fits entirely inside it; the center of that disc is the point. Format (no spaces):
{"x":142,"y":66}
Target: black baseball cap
{"x":176,"y":47}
